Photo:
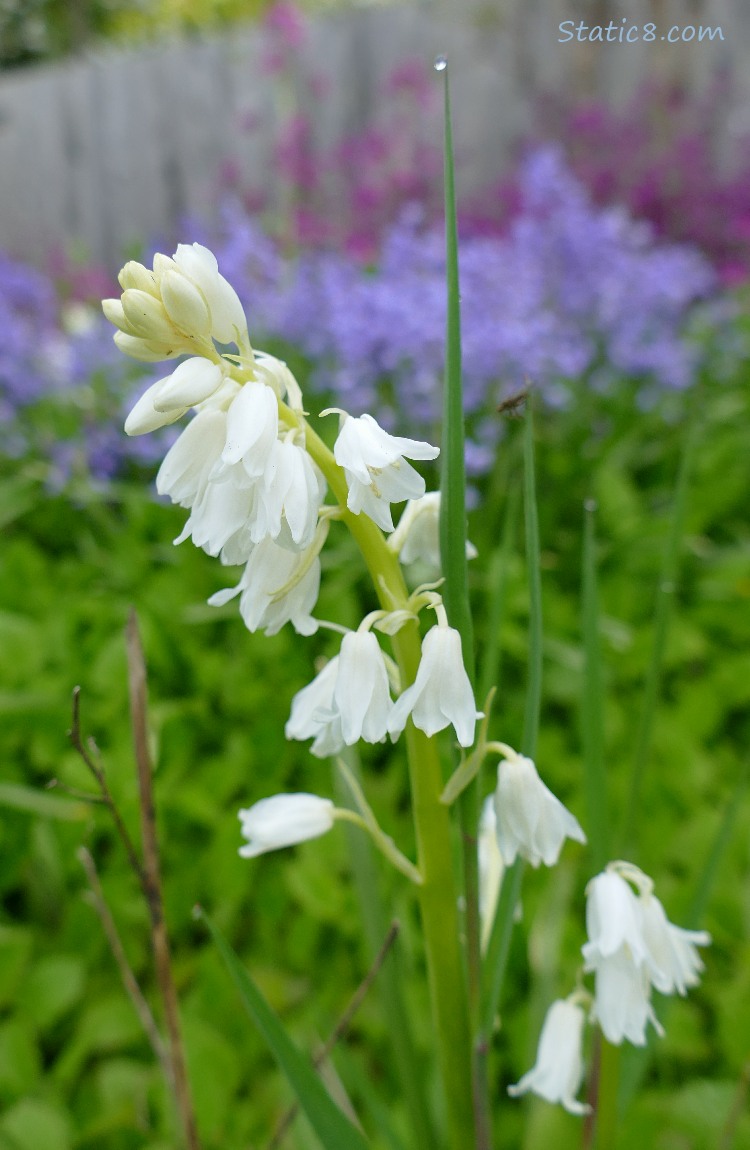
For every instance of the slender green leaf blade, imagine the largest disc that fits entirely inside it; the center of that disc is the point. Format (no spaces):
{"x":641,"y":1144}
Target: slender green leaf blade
{"x":453,"y":473}
{"x":335,"y":1131}
{"x":592,"y":700}
{"x":534,"y":575}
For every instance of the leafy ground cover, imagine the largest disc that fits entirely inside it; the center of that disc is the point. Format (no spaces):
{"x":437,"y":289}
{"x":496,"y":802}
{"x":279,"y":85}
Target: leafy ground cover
{"x":75,"y":1070}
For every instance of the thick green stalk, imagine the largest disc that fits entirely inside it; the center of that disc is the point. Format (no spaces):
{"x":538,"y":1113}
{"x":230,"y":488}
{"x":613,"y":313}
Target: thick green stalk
{"x":437,"y":894}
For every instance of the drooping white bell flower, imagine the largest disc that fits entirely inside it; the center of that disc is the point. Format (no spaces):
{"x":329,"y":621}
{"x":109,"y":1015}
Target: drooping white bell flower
{"x":268,"y":570}
{"x":622,"y":999}
{"x":252,"y":429}
{"x":674,"y":962}
{"x":186,"y":467}
{"x":220,"y":512}
{"x":375,"y":466}
{"x":632,"y":946}
{"x":613,"y":921}
{"x":531,"y":821}
{"x":361,"y":694}
{"x":282,"y":821}
{"x":290,"y":495}
{"x":314,"y":716}
{"x":491,"y":867}
{"x":558,"y":1071}
{"x":441,"y":694}
{"x":417,"y":535}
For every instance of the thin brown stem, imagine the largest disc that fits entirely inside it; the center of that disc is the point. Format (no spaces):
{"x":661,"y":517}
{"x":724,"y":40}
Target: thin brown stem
{"x":152,"y":875}
{"x":90,"y":755}
{"x":142,"y":1008}
{"x":339,"y":1029}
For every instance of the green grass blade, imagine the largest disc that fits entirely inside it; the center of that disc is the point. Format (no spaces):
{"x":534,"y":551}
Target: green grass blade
{"x":455,"y":590}
{"x":334,"y":1130}
{"x":592,"y":701}
{"x":662,"y":615}
{"x":534,"y":575}
{"x":496,"y":958}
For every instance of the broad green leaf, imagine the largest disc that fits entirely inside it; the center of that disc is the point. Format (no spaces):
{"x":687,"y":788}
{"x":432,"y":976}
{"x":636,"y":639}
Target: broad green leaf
{"x":334,"y":1130}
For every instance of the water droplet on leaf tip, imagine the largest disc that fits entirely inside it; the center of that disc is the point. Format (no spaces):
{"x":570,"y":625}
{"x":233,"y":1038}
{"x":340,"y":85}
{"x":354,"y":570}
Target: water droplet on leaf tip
{"x":441,"y":63}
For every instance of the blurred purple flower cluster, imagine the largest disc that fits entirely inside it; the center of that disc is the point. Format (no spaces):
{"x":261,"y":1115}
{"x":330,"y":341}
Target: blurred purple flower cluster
{"x":64,"y":387}
{"x":569,"y":291}
{"x":661,"y":157}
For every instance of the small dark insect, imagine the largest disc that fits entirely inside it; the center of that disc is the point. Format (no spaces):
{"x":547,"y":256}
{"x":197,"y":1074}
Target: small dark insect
{"x":513,"y":403}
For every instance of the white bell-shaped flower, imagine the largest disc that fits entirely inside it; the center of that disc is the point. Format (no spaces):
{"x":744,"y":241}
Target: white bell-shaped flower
{"x":558,"y":1071}
{"x":314,"y":716}
{"x":269,"y":570}
{"x":376,"y":470}
{"x":622,"y":1000}
{"x":361,"y":694}
{"x":220,"y":512}
{"x":252,"y":429}
{"x":491,"y":867}
{"x":186,"y":467}
{"x":290,"y":495}
{"x":441,"y":694}
{"x":531,"y":821}
{"x":613,"y":921}
{"x":417,"y":535}
{"x":674,"y":962}
{"x":283,"y":820}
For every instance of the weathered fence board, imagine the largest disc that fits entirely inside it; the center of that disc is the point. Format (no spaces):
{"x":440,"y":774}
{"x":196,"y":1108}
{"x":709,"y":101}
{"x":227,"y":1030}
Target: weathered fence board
{"x":111,"y":148}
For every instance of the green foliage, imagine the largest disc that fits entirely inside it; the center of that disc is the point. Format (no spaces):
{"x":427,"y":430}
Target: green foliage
{"x":75,"y":1068}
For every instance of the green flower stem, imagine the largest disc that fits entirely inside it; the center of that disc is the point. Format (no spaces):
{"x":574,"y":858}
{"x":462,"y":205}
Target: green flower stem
{"x":606,"y":1124}
{"x":437,"y":895}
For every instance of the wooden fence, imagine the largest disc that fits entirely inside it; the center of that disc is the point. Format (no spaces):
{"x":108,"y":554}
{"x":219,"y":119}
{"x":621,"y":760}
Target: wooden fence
{"x":110,"y":148}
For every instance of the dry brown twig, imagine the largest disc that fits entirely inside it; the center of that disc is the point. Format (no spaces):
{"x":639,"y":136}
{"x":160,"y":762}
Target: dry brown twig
{"x":130,"y":982}
{"x":152,"y":880}
{"x":170,"y":1055}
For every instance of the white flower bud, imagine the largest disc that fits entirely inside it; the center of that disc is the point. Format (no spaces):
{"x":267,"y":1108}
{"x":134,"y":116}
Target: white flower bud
{"x":282,"y":821}
{"x":189,"y":384}
{"x":147,"y":317}
{"x":185,"y":305}
{"x":135,"y":275}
